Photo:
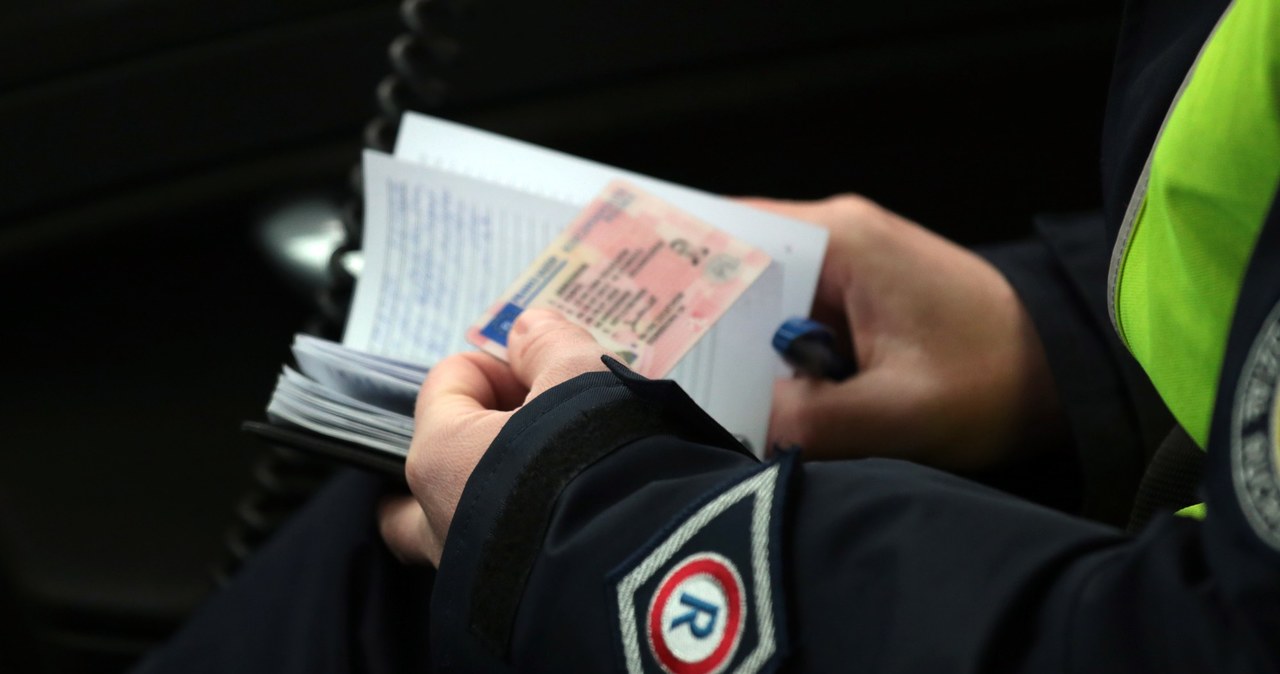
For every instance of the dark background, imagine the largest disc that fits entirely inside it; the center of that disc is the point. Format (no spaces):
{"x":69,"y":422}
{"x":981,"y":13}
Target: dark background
{"x":142,"y":139}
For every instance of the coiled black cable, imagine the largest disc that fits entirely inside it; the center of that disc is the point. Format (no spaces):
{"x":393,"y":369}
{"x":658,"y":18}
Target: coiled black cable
{"x":284,"y":479}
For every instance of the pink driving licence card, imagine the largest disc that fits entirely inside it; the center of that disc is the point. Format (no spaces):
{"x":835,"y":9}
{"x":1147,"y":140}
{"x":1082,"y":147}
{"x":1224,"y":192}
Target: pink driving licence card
{"x":644,"y":277}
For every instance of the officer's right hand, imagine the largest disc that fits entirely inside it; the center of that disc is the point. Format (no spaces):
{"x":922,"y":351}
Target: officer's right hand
{"x":951,"y":370}
{"x":464,"y":402}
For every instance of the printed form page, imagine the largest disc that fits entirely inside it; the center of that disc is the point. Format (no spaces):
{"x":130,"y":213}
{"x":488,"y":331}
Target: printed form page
{"x":440,"y":247}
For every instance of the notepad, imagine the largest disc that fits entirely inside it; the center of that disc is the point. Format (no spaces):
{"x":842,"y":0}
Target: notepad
{"x":451,"y":220}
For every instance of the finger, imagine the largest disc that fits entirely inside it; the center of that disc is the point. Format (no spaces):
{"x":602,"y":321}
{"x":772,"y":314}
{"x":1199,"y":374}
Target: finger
{"x":405,"y":530}
{"x":875,"y":413}
{"x":455,"y":423}
{"x":467,"y":383}
{"x":842,"y":216}
{"x":800,"y":210}
{"x":839,"y":211}
{"x":546,"y":349}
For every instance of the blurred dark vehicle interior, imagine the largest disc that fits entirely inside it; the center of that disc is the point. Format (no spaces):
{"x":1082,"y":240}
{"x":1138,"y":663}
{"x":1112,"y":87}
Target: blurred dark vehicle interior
{"x":143,"y":140}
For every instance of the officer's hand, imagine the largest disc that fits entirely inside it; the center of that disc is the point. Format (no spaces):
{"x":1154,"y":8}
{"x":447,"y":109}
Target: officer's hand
{"x":462,"y":405}
{"x":951,"y":370}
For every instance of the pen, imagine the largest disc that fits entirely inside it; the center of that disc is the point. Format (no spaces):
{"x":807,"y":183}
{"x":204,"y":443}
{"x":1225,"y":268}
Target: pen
{"x":808,"y":346}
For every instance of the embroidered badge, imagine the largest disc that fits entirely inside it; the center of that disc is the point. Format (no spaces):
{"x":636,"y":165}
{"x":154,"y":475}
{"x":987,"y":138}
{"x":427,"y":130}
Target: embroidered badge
{"x":1255,"y":433}
{"x":704,"y":596}
{"x":695,"y":619}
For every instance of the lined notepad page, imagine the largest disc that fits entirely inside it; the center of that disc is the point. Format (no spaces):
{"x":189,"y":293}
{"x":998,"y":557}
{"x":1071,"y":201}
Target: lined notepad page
{"x":798,"y":247}
{"x":438,"y":249}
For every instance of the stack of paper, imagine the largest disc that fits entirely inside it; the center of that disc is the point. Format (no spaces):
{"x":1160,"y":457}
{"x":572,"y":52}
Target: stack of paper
{"x":453,"y":219}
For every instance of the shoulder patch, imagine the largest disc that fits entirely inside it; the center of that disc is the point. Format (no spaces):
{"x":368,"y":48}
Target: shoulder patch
{"x":705,"y":595}
{"x":1255,"y":433}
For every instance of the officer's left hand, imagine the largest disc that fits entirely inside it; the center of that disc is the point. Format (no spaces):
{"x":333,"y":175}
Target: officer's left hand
{"x":952,"y":371}
{"x":463,"y":404}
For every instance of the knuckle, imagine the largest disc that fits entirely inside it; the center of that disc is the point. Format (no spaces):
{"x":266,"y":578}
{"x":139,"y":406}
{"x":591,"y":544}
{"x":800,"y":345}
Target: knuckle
{"x":417,"y":470}
{"x":539,"y":344}
{"x":853,"y":206}
{"x":854,"y":219}
{"x":791,"y":422}
{"x":422,"y":403}
{"x":558,"y":345}
{"x":432,"y":433}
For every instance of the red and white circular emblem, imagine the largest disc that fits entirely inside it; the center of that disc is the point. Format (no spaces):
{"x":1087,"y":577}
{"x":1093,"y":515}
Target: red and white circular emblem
{"x":696,"y":617}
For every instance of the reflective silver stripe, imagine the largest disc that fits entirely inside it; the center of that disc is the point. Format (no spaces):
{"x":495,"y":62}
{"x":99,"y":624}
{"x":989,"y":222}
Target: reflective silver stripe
{"x":1140,"y":190}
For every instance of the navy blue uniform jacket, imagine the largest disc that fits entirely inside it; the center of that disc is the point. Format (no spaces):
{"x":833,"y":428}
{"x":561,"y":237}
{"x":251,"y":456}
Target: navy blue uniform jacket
{"x":612,"y":526}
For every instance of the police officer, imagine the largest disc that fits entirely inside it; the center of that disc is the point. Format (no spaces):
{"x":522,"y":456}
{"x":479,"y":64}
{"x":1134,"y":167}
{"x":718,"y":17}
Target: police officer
{"x":586,"y":519}
{"x":610,"y":525}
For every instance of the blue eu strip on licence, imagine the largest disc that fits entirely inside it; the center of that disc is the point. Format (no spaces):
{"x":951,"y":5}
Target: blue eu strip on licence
{"x":500,"y":326}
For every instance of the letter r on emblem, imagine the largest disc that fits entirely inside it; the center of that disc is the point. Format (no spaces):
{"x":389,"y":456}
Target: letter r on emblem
{"x":696,"y":607}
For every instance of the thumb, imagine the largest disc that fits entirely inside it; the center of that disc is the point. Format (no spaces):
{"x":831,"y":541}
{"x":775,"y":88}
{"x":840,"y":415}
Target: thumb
{"x":545,"y":349}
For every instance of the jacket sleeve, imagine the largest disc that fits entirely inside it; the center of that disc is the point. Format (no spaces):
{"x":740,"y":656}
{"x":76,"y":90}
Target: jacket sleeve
{"x":613,"y":527}
{"x":1115,"y":417}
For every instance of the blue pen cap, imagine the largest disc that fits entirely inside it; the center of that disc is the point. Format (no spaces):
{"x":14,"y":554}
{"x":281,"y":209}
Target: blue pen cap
{"x":799,"y":328}
{"x":807,"y":345}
